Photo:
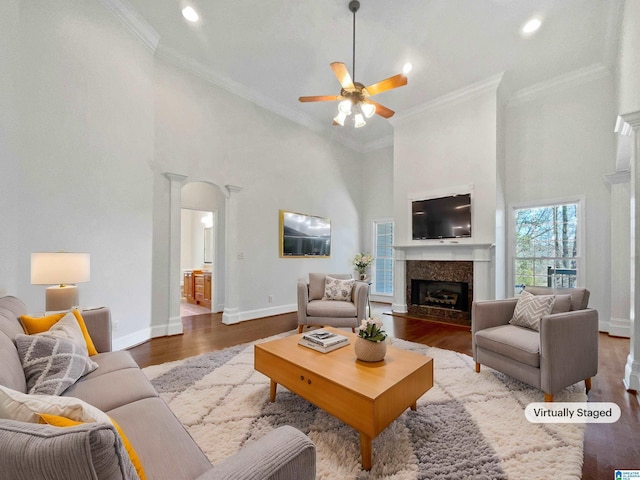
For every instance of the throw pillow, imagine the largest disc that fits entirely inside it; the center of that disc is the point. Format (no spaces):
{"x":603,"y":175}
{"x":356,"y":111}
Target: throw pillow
{"x":561,"y":304}
{"x":336,"y":289}
{"x":33,"y":325}
{"x":69,"y":329}
{"x":23,"y":407}
{"x":61,"y":421}
{"x":51,"y":364}
{"x":530,"y":309}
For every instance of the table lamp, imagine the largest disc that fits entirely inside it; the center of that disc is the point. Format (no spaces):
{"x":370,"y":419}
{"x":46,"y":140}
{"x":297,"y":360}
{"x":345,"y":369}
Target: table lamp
{"x":64,"y":269}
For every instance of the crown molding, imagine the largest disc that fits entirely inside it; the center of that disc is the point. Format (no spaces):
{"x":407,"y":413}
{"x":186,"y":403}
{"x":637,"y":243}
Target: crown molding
{"x":569,"y":80}
{"x":134,"y":22}
{"x":470,"y":91}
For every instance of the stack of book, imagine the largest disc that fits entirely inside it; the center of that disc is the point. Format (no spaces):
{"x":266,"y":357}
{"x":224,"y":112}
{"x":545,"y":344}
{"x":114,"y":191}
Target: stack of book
{"x":323,"y":341}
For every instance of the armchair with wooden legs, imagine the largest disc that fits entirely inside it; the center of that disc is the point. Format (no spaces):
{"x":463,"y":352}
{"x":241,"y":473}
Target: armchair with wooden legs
{"x":314,"y":310}
{"x":562,"y":352}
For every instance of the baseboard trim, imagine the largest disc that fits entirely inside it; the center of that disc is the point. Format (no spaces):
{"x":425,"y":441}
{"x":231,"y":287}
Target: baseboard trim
{"x":135,"y":338}
{"x":619,"y":327}
{"x":237,"y":316}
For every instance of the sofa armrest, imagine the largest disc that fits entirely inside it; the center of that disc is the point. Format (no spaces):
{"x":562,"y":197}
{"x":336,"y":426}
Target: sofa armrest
{"x":360,"y":295}
{"x":303,"y":300}
{"x":491,"y":313}
{"x":283,"y":454}
{"x":568,"y":348}
{"x":98,"y":322}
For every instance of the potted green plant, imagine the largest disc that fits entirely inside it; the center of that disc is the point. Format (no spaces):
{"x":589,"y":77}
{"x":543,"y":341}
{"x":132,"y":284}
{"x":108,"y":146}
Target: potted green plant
{"x":370,"y":346}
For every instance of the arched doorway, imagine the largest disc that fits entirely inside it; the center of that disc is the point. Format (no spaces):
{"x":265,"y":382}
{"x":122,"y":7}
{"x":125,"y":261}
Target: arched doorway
{"x":202,"y":248}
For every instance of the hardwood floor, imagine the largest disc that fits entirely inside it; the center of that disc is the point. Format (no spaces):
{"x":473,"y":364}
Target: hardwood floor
{"x":607,"y":447}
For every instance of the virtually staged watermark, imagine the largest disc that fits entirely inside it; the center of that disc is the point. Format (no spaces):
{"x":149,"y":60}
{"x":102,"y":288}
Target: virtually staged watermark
{"x":572,"y":412}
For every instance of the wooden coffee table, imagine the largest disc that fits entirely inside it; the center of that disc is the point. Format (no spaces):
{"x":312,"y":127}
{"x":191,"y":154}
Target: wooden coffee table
{"x":365,"y":396}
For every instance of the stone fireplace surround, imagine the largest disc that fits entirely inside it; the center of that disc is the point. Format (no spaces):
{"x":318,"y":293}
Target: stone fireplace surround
{"x":452,"y":261}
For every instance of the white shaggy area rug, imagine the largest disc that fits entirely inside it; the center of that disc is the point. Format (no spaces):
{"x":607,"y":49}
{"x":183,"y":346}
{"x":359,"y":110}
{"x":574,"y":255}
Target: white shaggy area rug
{"x":468,"y":426}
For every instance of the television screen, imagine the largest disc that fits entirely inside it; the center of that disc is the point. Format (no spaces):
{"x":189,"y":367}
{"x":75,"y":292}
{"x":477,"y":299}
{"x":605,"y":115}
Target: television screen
{"x":445,"y":217}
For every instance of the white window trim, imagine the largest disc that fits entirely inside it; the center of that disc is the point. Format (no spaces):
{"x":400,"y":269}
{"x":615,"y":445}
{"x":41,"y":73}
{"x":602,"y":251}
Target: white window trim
{"x":385,"y":297}
{"x":580,"y":201}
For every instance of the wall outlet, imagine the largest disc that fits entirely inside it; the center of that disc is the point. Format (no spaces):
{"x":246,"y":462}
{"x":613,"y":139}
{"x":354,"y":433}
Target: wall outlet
{"x":115,"y":326}
{"x":240,"y":255}
{"x":270,"y":298}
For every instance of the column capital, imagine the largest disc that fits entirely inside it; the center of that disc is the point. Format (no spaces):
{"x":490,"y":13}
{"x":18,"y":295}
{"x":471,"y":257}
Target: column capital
{"x":175,"y":177}
{"x":229,"y":189}
{"x":632,"y":119}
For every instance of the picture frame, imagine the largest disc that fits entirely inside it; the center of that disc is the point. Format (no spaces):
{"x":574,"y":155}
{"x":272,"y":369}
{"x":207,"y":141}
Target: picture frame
{"x":304,"y":236}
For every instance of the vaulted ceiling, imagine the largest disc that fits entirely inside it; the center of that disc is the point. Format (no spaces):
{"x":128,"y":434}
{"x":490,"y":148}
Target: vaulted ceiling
{"x":273,"y":51}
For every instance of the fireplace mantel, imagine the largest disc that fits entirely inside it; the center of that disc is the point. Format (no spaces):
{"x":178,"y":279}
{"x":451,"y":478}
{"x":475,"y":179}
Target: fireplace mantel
{"x":446,"y":250}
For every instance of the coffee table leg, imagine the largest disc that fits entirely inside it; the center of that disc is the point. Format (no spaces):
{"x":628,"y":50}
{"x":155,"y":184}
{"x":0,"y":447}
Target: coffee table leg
{"x":414,"y":406}
{"x":272,"y":391}
{"x":365,"y":451}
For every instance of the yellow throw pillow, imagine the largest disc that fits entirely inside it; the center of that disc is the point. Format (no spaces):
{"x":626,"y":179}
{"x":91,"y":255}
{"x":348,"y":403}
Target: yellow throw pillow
{"x":33,"y":325}
{"x":87,"y":338}
{"x":58,"y":421}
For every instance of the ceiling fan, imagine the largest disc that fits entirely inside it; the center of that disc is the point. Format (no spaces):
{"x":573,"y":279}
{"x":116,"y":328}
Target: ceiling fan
{"x":354,"y":96}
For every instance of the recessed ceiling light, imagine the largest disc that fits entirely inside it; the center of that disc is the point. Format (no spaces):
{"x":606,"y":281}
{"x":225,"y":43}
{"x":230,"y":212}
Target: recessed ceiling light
{"x":531,"y":26}
{"x":190,"y":14}
{"x":407,"y":68}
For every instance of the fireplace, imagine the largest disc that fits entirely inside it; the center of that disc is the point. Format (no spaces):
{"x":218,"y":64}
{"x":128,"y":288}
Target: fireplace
{"x":440,"y":290}
{"x":438,"y":294}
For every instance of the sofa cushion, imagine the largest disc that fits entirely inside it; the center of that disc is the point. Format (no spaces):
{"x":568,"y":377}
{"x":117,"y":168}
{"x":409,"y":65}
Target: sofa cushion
{"x":113,"y":389}
{"x":337,"y":289}
{"x":51,"y":364}
{"x":152,"y":428}
{"x":530,"y":309}
{"x":330,"y":308}
{"x":111,"y":362}
{"x":91,"y":450}
{"x":11,"y":373}
{"x":519,"y":343}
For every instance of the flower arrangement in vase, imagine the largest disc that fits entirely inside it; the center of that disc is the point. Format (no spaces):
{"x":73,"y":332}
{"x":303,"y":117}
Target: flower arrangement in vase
{"x":370,"y":346}
{"x":361,"y":262}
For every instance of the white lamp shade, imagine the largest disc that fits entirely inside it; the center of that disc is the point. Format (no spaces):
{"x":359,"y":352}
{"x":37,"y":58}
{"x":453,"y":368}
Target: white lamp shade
{"x":48,"y":268}
{"x":368,"y":109}
{"x":359,"y":121}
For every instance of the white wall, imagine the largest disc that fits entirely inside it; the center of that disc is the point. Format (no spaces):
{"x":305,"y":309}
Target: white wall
{"x":377,"y":192}
{"x":207,"y":134}
{"x":78,"y":167}
{"x":629,"y":59}
{"x":445,"y":148}
{"x":560,"y":145}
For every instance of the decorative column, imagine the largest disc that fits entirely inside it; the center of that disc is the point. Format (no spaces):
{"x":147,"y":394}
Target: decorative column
{"x":632,"y":368}
{"x":174,"y":327}
{"x":619,"y":323}
{"x":231,"y":312}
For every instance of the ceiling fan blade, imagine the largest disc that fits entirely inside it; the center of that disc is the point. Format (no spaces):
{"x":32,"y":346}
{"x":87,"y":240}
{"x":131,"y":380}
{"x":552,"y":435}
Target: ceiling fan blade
{"x":319,"y":98}
{"x":387,"y":84}
{"x":342,"y":73}
{"x":382,"y":110}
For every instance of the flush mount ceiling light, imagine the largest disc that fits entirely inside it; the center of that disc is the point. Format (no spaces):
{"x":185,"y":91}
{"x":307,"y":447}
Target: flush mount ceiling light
{"x":190,"y":14}
{"x":355,"y":98}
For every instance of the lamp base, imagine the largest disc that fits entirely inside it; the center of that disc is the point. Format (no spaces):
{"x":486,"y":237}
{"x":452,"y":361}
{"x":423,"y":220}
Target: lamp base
{"x":61,"y":297}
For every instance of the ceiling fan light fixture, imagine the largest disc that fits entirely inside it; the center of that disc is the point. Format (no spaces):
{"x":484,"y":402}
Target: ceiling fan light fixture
{"x":340,"y":118}
{"x":358,"y":121}
{"x":368,"y":109}
{"x":345,"y":107}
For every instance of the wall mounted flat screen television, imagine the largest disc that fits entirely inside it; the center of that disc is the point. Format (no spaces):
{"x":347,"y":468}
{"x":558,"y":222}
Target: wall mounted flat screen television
{"x":444,"y":217}
{"x":304,"y":235}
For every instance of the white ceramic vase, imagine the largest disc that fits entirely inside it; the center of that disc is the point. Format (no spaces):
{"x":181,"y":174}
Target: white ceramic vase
{"x":369,"y":351}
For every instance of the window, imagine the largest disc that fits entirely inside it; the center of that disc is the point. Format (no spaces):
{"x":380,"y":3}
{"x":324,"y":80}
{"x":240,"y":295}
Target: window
{"x":546,"y":246}
{"x":383,"y":257}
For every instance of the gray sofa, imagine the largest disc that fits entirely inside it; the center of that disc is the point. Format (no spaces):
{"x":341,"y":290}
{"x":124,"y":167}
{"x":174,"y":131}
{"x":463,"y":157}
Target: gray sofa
{"x":120,"y":389}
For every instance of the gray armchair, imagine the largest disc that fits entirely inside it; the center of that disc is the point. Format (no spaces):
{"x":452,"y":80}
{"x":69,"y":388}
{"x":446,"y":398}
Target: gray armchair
{"x":313,"y":310}
{"x":564,"y":351}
